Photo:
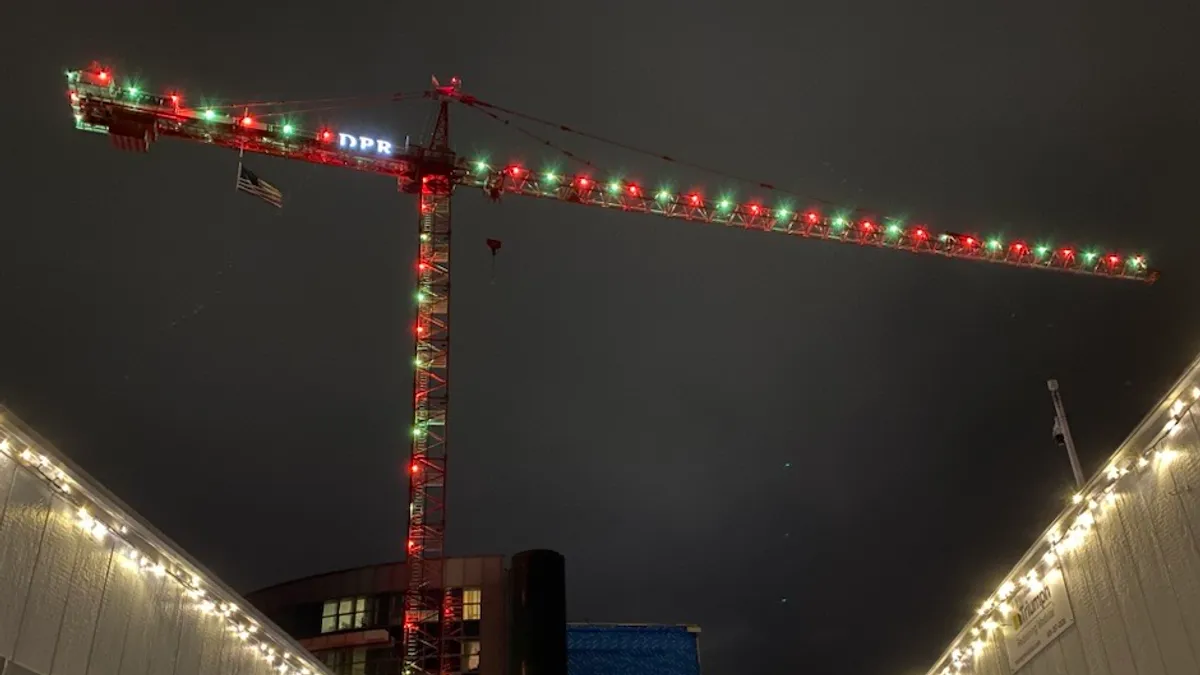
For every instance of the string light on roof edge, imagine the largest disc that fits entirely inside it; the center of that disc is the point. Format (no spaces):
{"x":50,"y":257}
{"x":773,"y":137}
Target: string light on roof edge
{"x":1082,"y":525}
{"x":99,"y":524}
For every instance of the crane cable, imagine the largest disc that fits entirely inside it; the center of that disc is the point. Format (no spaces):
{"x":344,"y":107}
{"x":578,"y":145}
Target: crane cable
{"x":540,"y":139}
{"x":474,"y":102}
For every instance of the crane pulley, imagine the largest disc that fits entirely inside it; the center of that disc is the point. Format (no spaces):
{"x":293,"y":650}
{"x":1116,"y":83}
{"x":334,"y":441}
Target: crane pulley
{"x":432,"y":615}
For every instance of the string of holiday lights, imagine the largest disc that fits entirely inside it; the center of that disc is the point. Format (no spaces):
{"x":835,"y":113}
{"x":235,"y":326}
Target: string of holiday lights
{"x":94,"y":93}
{"x":1074,"y":526}
{"x":144,"y":552}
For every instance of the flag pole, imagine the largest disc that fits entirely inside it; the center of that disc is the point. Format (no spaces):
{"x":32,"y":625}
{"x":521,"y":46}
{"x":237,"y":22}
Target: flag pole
{"x":241,"y":153}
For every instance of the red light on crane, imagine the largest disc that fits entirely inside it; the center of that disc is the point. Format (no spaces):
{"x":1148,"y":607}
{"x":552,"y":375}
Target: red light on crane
{"x":515,"y":171}
{"x":755,"y":209}
{"x":633,"y":190}
{"x":1113,"y":260}
{"x":247,"y":121}
{"x":420,"y":330}
{"x":103,"y":76}
{"x":1067,"y":253}
{"x":969,"y":241}
{"x":920,"y":233}
{"x":812,"y":217}
{"x":422,"y":266}
{"x":583,"y":182}
{"x":175,"y":100}
{"x":1018,"y":247}
{"x":326,"y":135}
{"x":694,"y":199}
{"x":415,"y":467}
{"x":868,"y":226}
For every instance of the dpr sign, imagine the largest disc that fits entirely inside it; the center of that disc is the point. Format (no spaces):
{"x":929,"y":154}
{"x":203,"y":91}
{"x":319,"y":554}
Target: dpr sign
{"x":364,"y":144}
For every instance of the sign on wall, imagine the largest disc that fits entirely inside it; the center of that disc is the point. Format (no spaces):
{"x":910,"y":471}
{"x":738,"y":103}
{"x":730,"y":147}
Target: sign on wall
{"x":1037,"y":619}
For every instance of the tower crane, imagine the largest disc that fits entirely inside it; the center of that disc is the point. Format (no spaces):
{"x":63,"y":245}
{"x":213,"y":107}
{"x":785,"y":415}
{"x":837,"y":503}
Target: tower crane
{"x":432,"y":615}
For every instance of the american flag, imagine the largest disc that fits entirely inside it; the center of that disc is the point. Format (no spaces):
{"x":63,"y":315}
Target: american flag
{"x":250,"y":183}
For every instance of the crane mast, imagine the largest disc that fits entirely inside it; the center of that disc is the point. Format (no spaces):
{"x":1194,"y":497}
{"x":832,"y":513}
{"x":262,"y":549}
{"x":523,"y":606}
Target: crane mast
{"x":433,"y":614}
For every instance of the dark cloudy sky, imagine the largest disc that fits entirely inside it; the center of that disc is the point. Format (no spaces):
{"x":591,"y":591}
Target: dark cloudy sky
{"x":627,"y":390}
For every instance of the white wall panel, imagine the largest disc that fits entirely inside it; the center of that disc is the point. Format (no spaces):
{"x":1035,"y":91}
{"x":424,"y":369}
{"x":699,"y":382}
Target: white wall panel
{"x":1133,"y":581}
{"x":49,"y":587}
{"x":88,"y":588}
{"x":21,"y":529}
{"x":89,"y":576}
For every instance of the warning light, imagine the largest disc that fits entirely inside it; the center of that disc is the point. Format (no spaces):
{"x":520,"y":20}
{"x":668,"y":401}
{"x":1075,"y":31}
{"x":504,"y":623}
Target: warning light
{"x":812,"y":217}
{"x":415,"y":467}
{"x":969,"y":241}
{"x":247,"y":121}
{"x":74,"y":97}
{"x":422,"y":266}
{"x":920,"y":233}
{"x":1067,"y":253}
{"x":1113,"y":260}
{"x":515,"y":171}
{"x":694,"y":199}
{"x":583,"y":182}
{"x":1018,"y":247}
{"x":103,"y":76}
{"x":754,"y":208}
{"x":175,"y":99}
{"x":633,"y":190}
{"x":412,"y":544}
{"x":326,"y":135}
{"x":868,"y":226}
{"x":420,"y":330}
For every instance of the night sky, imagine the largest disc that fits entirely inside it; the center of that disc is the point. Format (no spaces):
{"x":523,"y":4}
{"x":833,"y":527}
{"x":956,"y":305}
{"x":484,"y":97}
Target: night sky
{"x":627,"y":390}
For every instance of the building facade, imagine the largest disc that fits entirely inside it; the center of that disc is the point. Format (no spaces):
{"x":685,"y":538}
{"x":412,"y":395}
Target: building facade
{"x":352,"y":620}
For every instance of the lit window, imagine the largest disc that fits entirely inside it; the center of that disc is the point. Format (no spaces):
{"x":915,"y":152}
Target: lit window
{"x":470,"y":650}
{"x":472,"y":604}
{"x":346,"y":614}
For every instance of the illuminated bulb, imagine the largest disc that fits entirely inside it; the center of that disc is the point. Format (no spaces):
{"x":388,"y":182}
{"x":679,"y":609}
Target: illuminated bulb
{"x":985,"y":608}
{"x":288,"y":129}
{"x":1050,"y":558}
{"x":694,"y":199}
{"x":781,"y":214}
{"x":633,"y":190}
{"x":754,"y":209}
{"x":1006,"y":589}
{"x":663,"y":195}
{"x":210,"y":115}
{"x":515,"y":171}
{"x":1110,"y":498}
{"x":551,"y":178}
{"x":975,"y":632}
{"x":74,"y":97}
{"x":723,"y":204}
{"x":1114,"y":473}
{"x":978,"y":646}
{"x":990,"y":625}
{"x":1143,"y":462}
{"x":1176,"y":408}
{"x":994,"y":244}
{"x":839,"y":222}
{"x":1076,"y":498}
{"x":1086,"y":520}
{"x":1035,"y":586}
{"x":1166,"y":456}
{"x":4,"y":444}
{"x":1004,"y":608}
{"x":104,"y":76}
{"x":134,"y":91}
{"x":1092,"y":504}
{"x":1196,"y":393}
{"x":583,"y":182}
{"x":247,"y":121}
{"x":614,"y":187}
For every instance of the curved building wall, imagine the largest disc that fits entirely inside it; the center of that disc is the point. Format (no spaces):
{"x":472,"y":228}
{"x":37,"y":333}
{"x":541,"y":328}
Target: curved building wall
{"x":352,"y":620}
